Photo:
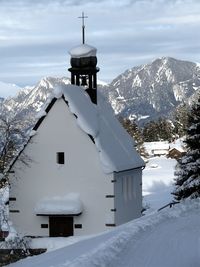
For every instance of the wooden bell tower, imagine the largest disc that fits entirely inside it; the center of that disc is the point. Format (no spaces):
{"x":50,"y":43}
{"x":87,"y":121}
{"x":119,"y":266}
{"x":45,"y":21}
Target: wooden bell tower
{"x":84,"y":66}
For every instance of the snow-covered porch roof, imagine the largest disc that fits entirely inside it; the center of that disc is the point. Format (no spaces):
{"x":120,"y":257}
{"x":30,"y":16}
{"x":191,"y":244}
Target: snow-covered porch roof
{"x":69,"y":204}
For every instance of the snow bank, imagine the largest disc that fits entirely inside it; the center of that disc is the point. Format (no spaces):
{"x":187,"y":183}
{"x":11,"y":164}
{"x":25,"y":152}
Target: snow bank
{"x":167,"y":238}
{"x":157,"y":182}
{"x":69,"y":204}
{"x":105,"y":253}
{"x":53,"y":243}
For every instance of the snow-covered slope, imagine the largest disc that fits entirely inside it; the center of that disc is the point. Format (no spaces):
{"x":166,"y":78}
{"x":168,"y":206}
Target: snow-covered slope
{"x":166,"y":238}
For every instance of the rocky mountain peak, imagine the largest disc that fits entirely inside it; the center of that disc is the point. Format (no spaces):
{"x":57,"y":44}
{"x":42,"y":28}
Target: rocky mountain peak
{"x":154,"y":89}
{"x":144,"y":92}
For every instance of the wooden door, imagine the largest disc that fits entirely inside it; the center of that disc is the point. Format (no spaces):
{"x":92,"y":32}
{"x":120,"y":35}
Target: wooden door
{"x":60,"y":226}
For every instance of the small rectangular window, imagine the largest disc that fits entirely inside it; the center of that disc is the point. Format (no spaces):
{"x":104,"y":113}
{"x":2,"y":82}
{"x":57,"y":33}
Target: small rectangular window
{"x":14,"y":211}
{"x":60,"y":157}
{"x":128,"y":187}
{"x":12,"y":198}
{"x":44,"y":225}
{"x":78,"y":226}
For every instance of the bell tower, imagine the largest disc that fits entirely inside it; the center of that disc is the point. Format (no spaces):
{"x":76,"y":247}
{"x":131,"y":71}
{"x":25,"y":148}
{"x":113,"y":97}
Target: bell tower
{"x":84,"y":66}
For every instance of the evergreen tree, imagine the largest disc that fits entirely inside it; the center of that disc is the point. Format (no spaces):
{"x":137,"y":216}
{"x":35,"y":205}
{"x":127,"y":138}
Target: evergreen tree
{"x":133,"y":129}
{"x":181,"y":120}
{"x":158,"y":130}
{"x":165,"y":129}
{"x":150,"y":132}
{"x":187,"y":182}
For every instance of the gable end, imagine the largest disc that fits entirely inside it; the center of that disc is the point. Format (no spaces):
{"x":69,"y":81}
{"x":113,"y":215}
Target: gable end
{"x":48,"y":108}
{"x":47,"y":111}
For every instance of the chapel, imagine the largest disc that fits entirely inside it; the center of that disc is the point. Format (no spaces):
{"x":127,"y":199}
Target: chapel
{"x":85,"y":175}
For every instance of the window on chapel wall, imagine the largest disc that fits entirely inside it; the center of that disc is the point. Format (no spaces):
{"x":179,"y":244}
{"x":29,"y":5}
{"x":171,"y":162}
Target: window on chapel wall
{"x":60,"y":157}
{"x":127,"y":187}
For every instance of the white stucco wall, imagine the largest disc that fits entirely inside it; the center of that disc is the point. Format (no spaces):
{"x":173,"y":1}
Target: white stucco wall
{"x":128,"y":195}
{"x":43,"y":177}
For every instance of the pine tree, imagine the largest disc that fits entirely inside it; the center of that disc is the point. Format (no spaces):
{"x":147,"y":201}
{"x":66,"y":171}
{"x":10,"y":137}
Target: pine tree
{"x":165,"y":129}
{"x":187,"y":182}
{"x":133,"y":129}
{"x":181,"y":120}
{"x":150,"y":132}
{"x":159,"y":130}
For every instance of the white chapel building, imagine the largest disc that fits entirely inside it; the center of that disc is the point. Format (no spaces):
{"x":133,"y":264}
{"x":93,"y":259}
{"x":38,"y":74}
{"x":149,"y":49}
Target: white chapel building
{"x":84,"y":175}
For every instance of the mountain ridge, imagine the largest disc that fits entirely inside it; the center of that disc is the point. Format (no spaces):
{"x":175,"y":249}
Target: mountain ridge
{"x":159,"y":86}
{"x":143,"y":92}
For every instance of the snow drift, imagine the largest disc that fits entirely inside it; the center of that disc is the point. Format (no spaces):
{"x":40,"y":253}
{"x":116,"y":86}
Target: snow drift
{"x":167,"y":238}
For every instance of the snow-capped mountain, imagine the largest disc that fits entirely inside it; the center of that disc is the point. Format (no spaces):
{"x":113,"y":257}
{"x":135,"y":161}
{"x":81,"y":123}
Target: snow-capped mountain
{"x":29,"y":100}
{"x":154,"y":89}
{"x":143,"y":92}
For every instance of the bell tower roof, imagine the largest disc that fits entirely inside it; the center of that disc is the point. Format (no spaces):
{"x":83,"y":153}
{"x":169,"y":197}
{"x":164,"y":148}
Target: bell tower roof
{"x":83,"y":50}
{"x":84,"y":66}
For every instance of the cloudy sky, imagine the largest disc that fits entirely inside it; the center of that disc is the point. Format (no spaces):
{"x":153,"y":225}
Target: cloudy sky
{"x":36,"y":35}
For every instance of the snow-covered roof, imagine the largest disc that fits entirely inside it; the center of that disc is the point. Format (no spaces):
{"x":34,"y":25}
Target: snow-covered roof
{"x":155,"y":146}
{"x":65,"y":205}
{"x":115,"y":146}
{"x":178,"y":144}
{"x":83,"y":50}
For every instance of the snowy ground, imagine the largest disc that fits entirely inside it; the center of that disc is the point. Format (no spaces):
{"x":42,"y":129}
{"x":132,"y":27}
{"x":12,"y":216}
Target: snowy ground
{"x":158,"y":179}
{"x":167,"y":238}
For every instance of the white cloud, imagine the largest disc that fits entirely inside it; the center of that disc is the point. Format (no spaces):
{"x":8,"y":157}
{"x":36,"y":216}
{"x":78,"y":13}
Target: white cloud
{"x":36,"y":35}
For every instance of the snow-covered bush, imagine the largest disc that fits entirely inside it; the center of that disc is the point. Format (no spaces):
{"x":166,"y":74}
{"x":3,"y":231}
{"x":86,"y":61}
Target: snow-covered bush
{"x":4,"y":196}
{"x":16,"y":242}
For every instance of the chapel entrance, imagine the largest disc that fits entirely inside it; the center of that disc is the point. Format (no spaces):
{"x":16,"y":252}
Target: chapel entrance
{"x":60,"y":226}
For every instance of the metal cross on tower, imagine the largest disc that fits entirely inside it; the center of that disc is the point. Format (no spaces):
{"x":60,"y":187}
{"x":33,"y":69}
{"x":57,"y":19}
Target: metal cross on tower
{"x":83,"y":26}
